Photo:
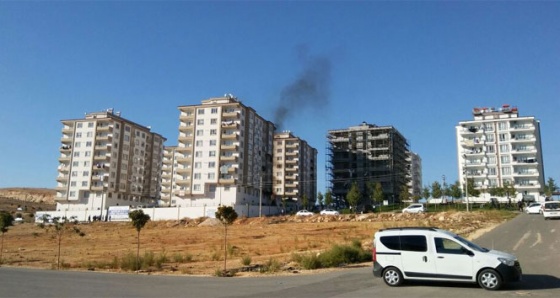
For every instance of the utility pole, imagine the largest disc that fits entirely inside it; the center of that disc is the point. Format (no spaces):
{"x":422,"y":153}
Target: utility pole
{"x":260,"y":195}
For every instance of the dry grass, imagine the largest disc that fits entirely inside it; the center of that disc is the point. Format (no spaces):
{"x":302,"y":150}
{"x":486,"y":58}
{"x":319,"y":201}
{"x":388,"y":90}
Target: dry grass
{"x":188,"y":248}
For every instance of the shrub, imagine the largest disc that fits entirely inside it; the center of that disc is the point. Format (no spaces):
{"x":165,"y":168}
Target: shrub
{"x":336,"y":256}
{"x":246,"y":260}
{"x":271,"y":266}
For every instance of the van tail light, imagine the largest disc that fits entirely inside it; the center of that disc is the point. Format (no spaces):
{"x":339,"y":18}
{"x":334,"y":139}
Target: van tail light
{"x":373,"y":254}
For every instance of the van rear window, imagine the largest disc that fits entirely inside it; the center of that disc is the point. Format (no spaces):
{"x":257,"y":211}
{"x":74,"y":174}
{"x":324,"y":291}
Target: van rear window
{"x":406,"y":243}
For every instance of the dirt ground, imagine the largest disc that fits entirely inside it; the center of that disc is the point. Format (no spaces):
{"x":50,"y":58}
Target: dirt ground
{"x":196,"y":246}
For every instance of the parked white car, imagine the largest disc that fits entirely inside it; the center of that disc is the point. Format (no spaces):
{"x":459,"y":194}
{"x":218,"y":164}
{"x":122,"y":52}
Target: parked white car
{"x":534,"y":208}
{"x":433,"y":254}
{"x":414,"y":208}
{"x":304,"y":213}
{"x":329,"y":212}
{"x":551,"y":209}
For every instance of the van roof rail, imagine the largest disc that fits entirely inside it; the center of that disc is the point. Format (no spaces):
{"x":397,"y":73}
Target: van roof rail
{"x":411,"y":228}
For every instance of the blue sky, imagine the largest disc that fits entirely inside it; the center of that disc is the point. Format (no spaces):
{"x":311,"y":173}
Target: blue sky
{"x":418,"y":66}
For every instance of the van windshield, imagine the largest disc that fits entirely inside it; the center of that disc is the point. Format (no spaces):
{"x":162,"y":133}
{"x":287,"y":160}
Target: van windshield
{"x":470,"y":244}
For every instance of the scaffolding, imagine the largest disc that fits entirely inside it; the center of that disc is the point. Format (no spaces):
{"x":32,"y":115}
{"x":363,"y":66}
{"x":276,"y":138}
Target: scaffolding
{"x":366,"y":154}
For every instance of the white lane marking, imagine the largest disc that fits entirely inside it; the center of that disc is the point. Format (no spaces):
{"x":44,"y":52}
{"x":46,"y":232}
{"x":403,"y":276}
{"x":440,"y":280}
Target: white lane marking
{"x":521,"y":240}
{"x":539,"y":240}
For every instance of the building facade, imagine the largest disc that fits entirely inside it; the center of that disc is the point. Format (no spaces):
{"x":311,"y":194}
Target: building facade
{"x":106,"y":160}
{"x":223,"y":156}
{"x":367,"y":154}
{"x":415,"y":175}
{"x":295,"y":171}
{"x":499,"y":147}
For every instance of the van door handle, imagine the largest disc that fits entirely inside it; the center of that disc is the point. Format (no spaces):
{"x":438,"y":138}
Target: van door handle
{"x":425,"y":258}
{"x":440,"y":257}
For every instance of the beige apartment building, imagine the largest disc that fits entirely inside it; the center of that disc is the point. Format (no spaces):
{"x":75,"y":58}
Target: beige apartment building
{"x":497,"y":147}
{"x":223,"y":156}
{"x":107,"y":160}
{"x":295,"y":171}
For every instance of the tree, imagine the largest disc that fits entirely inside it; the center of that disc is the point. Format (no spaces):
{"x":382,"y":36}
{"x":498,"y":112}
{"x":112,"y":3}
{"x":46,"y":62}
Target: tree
{"x":473,"y":192}
{"x":426,"y":192}
{"x":320,"y":199}
{"x":378,"y":194}
{"x":405,"y":194}
{"x":353,"y":196}
{"x":226,"y":215}
{"x":550,"y":187}
{"x":328,"y":198}
{"x":139,"y":220}
{"x":6,"y":221}
{"x":436,"y":190}
{"x":60,"y":226}
{"x":509,"y":190}
{"x":304,"y":201}
{"x":455,"y":190}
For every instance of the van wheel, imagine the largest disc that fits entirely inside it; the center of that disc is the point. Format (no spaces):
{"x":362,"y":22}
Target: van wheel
{"x":489,"y":279}
{"x":392,"y":277}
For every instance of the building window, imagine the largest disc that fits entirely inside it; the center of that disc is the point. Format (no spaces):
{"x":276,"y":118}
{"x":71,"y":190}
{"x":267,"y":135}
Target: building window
{"x":213,"y":121}
{"x":492,"y":171}
{"x":502,"y":137}
{"x":211,"y":164}
{"x":504,"y":148}
{"x":492,"y":160}
{"x":199,"y":132}
{"x":79,"y":125}
{"x":200,"y":112}
{"x":88,"y":144}
{"x":196,"y":187}
{"x":90,"y":124}
{"x":85,"y":173}
{"x":200,"y":122}
{"x":506,"y":170}
{"x":199,"y":143}
{"x":77,"y":144}
{"x":74,"y":174}
{"x":197,"y":165}
{"x":75,"y":163}
{"x":197,"y":176}
{"x":72,"y":194}
{"x":78,"y":135}
{"x":502,"y":126}
{"x":211,"y":153}
{"x":212,"y":142}
{"x":84,"y":183}
{"x":89,"y":134}
{"x":211,"y":176}
{"x":214,"y":111}
{"x":198,"y":154}
{"x":76,"y":154}
{"x":504,"y":159}
{"x":213,"y":132}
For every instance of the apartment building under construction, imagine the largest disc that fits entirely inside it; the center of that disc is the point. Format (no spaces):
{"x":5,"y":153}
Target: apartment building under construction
{"x":364,"y":154}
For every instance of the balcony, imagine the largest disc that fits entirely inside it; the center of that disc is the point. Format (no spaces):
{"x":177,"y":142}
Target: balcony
{"x":105,"y":128}
{"x":66,"y":140}
{"x":68,"y":130}
{"x":63,"y":158}
{"x":522,"y":127}
{"x":98,"y":187}
{"x":186,"y":116}
{"x":292,"y":161}
{"x":229,"y":158}
{"x":61,"y":188}
{"x":185,"y":182}
{"x":63,"y":168}
{"x":185,"y":128}
{"x":229,"y":147}
{"x":227,"y":180}
{"x":232,"y":170}
{"x":291,"y":192}
{"x":183,"y":170}
{"x":231,"y":114}
{"x":294,"y":145}
{"x":230,"y":136}
{"x":184,"y":149}
{"x":62,"y":178}
{"x":292,"y":153}
{"x":230,"y":125}
{"x":523,"y":140}
{"x":291,"y":169}
{"x":104,"y":137}
{"x":184,"y":159}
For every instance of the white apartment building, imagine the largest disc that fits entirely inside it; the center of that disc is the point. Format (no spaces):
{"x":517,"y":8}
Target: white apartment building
{"x":106,"y":160}
{"x":223,"y":156}
{"x":499,"y":147}
{"x":168,"y":174}
{"x":415,"y":175}
{"x":295,"y":170}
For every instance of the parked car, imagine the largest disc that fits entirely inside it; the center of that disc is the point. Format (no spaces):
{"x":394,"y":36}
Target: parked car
{"x":551,"y":209}
{"x":534,"y":208}
{"x":329,"y":212}
{"x":304,"y":213}
{"x":421,"y":253}
{"x":414,"y":208}
{"x":18,"y":220}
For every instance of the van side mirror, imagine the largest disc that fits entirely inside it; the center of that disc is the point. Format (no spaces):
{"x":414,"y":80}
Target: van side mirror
{"x":468,"y":252}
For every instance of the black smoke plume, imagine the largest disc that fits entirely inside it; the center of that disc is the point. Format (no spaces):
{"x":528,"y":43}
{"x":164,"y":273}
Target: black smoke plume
{"x":311,"y":89}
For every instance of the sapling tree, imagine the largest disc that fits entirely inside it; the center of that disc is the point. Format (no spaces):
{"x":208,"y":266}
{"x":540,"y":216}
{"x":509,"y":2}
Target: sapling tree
{"x":59,"y":226}
{"x":226,"y":215}
{"x":6,"y":221}
{"x":139,"y":220}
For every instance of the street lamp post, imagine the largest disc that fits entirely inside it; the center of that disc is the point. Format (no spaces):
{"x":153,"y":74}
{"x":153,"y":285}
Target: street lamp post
{"x":466,"y":181}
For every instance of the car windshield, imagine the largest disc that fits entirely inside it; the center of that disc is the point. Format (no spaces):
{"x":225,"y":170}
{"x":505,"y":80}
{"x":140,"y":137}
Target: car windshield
{"x":470,"y":244}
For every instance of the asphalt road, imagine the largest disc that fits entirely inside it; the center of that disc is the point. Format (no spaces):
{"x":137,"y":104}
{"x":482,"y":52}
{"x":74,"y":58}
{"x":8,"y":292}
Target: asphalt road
{"x":534,"y":241}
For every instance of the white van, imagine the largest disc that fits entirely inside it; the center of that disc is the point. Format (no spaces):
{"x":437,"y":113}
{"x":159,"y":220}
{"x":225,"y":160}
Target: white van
{"x":551,"y":209}
{"x":419,"y":253}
